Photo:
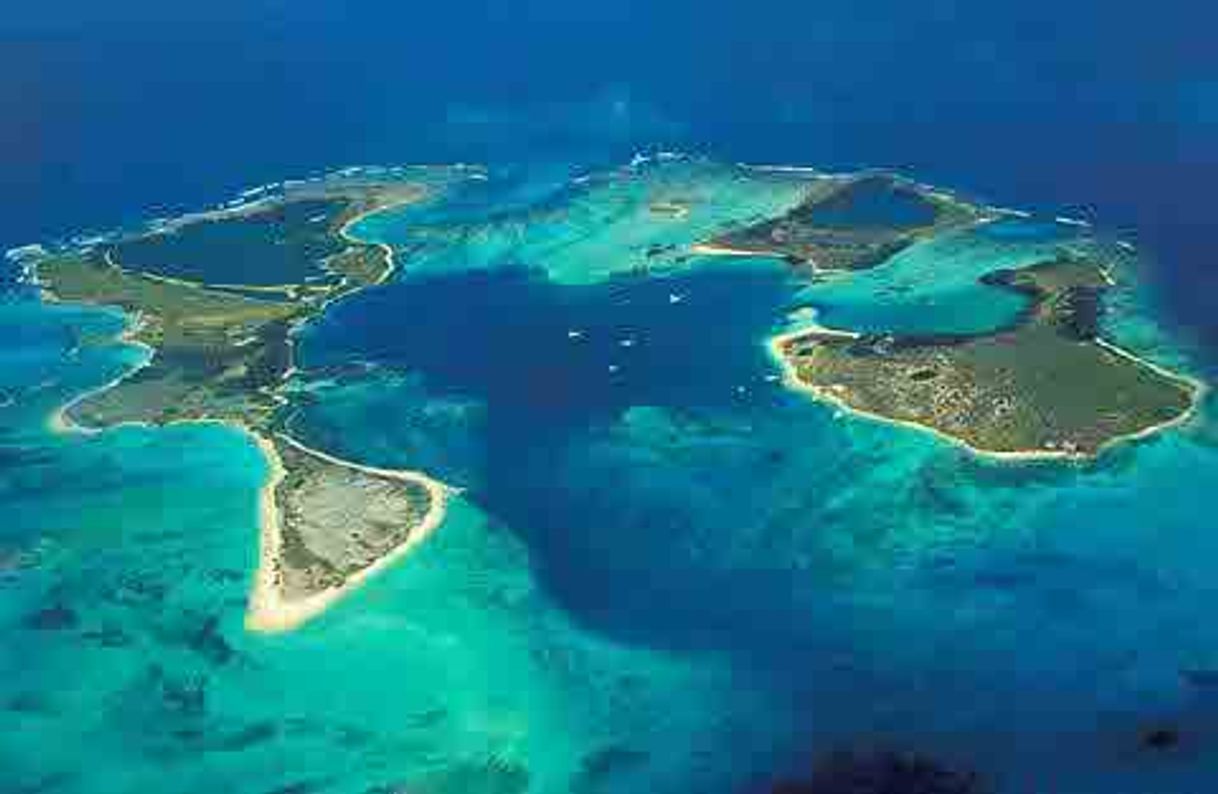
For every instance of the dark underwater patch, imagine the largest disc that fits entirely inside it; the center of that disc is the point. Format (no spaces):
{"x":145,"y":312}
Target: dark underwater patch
{"x":884,"y":772}
{"x":54,"y":617}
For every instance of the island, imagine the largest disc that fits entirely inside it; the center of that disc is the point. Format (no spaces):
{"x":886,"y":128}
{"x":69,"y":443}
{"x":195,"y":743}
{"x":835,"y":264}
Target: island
{"x":676,"y":209}
{"x":1048,"y":385}
{"x":849,"y":223}
{"x":219,"y":348}
{"x":214,"y":299}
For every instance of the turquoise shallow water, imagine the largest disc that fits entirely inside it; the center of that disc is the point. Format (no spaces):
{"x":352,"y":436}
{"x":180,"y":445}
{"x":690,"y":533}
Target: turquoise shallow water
{"x":584,"y":229}
{"x":672,"y":575}
{"x":933,"y":286}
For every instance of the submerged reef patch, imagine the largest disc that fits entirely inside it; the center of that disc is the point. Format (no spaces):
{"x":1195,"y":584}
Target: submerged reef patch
{"x":223,"y":352}
{"x":884,"y":772}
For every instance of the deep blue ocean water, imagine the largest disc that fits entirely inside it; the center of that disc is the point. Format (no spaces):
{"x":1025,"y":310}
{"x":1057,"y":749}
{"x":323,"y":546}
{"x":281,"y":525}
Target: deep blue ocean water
{"x":1109,"y":111}
{"x":671,"y":575}
{"x":545,"y":393}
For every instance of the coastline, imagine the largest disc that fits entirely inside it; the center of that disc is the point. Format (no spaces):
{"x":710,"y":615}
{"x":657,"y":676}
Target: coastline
{"x":345,"y":233}
{"x":268,"y":612}
{"x":1198,"y":392}
{"x":60,"y":420}
{"x":243,"y":209}
{"x":708,"y":249}
{"x":790,"y":378}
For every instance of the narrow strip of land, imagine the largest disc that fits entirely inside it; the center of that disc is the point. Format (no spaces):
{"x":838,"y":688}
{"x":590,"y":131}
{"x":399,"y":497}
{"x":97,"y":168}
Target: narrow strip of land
{"x":222,"y":352}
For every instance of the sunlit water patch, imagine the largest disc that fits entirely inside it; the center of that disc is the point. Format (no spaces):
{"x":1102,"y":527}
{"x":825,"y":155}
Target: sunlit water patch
{"x":667,"y":573}
{"x":51,"y":353}
{"x":687,"y":503}
{"x":635,"y":220}
{"x":553,"y":356}
{"x":125,"y":562}
{"x":932,"y":287}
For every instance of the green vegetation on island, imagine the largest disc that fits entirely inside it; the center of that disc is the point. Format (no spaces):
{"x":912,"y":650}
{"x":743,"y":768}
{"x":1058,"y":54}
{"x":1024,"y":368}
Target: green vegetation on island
{"x":222,"y":352}
{"x":669,"y":208}
{"x":1048,"y":385}
{"x":336,"y":521}
{"x":221,"y":348}
{"x":215,"y":355}
{"x":850,"y":224}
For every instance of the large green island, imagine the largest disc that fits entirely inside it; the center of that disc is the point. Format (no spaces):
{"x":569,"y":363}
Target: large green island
{"x":224,"y":352}
{"x":214,"y":298}
{"x":1048,"y":385}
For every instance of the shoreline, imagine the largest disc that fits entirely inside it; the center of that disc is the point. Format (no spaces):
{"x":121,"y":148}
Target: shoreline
{"x":790,"y":378}
{"x":708,"y":249}
{"x":344,"y":232}
{"x":267,"y":611}
{"x":60,"y":421}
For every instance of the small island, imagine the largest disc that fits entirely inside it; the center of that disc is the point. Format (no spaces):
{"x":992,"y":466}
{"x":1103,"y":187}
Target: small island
{"x":675,"y":209}
{"x":223,"y":352}
{"x":1047,"y":386}
{"x":329,"y":524}
{"x":848,"y":223}
{"x":214,"y":298}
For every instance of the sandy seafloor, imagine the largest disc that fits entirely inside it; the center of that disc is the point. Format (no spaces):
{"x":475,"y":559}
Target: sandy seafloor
{"x":666,"y":573}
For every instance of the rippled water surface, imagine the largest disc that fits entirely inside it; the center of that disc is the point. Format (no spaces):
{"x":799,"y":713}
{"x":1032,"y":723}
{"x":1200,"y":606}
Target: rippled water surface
{"x":665,"y":573}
